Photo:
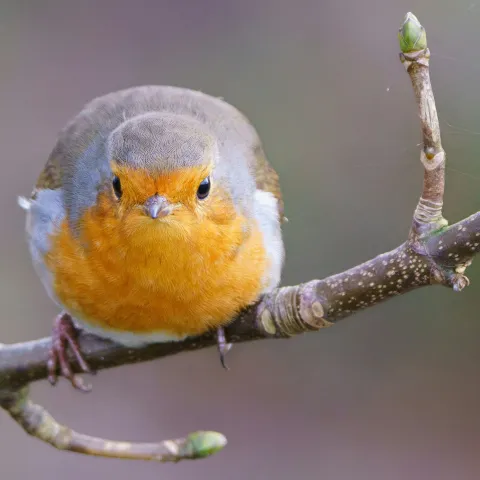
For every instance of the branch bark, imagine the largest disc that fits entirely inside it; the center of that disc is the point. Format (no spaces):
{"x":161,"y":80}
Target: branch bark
{"x":434,"y":254}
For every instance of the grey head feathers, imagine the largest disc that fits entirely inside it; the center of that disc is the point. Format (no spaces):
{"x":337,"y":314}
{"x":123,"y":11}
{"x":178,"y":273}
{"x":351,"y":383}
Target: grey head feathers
{"x":161,"y":142}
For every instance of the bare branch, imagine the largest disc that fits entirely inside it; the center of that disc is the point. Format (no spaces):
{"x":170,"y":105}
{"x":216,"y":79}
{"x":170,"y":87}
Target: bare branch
{"x":415,"y":57}
{"x":36,"y":421}
{"x":433,"y":254}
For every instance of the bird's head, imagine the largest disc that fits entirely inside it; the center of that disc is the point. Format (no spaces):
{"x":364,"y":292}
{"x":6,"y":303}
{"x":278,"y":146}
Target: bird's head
{"x":163,"y":176}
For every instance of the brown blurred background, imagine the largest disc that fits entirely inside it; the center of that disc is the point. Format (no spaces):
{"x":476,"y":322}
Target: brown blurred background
{"x":391,"y":393}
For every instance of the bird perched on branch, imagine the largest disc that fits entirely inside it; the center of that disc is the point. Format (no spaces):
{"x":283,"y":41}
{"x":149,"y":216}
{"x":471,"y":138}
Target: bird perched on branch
{"x":157,"y":217}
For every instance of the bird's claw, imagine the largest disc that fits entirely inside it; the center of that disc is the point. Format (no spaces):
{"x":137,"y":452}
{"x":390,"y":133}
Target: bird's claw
{"x":223,"y":346}
{"x":64,"y":338}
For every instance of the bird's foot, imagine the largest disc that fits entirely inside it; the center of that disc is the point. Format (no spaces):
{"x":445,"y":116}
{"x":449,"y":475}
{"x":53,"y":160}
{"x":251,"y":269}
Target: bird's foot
{"x":64,"y":338}
{"x":223,"y":346}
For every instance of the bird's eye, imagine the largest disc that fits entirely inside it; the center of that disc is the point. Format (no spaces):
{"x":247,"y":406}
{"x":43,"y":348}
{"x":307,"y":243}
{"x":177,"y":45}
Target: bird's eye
{"x":203,"y":189}
{"x":117,"y":186}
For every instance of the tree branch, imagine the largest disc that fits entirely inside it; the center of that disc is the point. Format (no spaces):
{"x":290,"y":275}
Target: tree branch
{"x":434,"y":254}
{"x":415,"y":57}
{"x":36,"y":421}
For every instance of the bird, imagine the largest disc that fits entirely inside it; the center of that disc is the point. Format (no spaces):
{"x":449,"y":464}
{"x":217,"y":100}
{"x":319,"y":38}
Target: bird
{"x":157,"y":217}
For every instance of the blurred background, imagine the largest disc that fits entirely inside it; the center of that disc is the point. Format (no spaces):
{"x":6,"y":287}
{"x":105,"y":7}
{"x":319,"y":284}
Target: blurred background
{"x":391,"y":393}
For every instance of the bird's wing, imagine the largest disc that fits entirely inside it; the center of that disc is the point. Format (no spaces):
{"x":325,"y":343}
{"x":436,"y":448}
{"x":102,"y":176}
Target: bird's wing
{"x":267,"y":179}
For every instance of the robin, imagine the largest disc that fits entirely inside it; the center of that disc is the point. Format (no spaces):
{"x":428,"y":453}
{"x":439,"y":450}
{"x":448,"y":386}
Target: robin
{"x":156,"y":217}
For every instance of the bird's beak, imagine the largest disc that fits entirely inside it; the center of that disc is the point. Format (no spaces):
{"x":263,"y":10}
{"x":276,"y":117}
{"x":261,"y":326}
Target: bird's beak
{"x":157,"y":206}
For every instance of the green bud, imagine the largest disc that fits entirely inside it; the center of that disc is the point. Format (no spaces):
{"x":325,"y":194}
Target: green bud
{"x":412,"y":35}
{"x":204,"y":444}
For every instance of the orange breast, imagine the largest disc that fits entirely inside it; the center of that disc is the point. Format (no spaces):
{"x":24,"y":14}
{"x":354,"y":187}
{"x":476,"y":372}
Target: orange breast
{"x":141,"y":276}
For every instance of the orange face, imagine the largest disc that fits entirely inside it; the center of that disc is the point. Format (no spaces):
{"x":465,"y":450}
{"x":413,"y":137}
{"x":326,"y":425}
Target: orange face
{"x":179,"y":191}
{"x":180,"y":273}
{"x":179,"y":187}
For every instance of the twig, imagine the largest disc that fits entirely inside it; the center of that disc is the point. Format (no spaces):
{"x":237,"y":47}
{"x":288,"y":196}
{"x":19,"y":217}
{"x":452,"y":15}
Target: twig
{"x":415,"y":56}
{"x":433,"y":254}
{"x":36,"y":421}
